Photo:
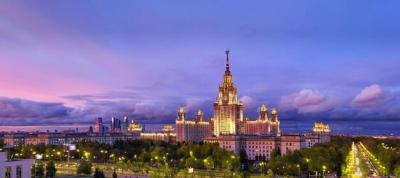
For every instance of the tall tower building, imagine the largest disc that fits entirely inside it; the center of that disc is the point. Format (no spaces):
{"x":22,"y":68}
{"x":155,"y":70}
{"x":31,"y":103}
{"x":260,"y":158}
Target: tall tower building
{"x":98,"y":126}
{"x":228,"y":110}
{"x":115,"y":125}
{"x":125,"y":124}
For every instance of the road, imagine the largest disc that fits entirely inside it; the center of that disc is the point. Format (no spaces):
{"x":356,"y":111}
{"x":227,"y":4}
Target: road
{"x":375,"y":169}
{"x":357,"y":164}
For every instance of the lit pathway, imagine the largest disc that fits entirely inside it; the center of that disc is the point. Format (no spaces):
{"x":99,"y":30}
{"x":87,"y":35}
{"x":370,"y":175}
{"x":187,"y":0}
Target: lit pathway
{"x":357,"y":167}
{"x":353,"y":168}
{"x":375,"y":169}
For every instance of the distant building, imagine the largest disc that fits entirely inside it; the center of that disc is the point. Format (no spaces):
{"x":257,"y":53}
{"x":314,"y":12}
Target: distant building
{"x":320,"y":127}
{"x":115,"y":125}
{"x":99,"y":127}
{"x":135,"y":127}
{"x":15,"y":168}
{"x":125,"y":124}
{"x":166,"y":135}
{"x":321,"y":133}
{"x":15,"y":139}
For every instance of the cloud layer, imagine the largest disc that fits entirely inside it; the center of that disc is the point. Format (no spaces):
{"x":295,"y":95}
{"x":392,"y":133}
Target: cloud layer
{"x":370,"y":96}
{"x":307,"y":101}
{"x":17,"y":111}
{"x":371,"y":102}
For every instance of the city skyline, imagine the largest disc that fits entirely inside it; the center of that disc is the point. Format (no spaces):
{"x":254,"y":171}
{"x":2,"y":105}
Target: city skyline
{"x":310,"y":63}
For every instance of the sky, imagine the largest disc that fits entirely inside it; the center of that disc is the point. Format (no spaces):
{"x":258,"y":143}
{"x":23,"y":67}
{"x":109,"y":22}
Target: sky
{"x":71,"y":61}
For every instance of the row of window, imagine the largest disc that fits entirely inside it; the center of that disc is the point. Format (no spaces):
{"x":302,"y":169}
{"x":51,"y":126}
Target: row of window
{"x":270,"y":147}
{"x":258,"y":151}
{"x":8,"y":170}
{"x":260,"y":143}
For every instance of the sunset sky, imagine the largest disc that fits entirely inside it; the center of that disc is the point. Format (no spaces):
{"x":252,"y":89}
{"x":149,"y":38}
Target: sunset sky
{"x":71,"y":61}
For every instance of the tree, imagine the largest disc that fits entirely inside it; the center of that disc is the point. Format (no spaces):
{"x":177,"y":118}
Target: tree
{"x":38,"y":170}
{"x":114,"y":174}
{"x":209,"y":162}
{"x":85,"y":167}
{"x":270,"y":173}
{"x":190,"y":162}
{"x":99,"y":174}
{"x":243,"y":160}
{"x":397,"y":171}
{"x":50,"y":169}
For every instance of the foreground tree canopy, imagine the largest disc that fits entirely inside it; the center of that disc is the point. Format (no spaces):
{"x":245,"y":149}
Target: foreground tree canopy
{"x":139,"y":155}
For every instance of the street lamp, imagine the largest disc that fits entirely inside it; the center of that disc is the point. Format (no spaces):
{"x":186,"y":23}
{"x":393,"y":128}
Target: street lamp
{"x":38,"y":157}
{"x":70,"y":147}
{"x":298,"y":167}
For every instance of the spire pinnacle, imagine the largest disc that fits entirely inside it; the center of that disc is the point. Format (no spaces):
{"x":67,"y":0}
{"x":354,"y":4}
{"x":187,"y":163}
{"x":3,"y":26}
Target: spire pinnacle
{"x":227,"y":62}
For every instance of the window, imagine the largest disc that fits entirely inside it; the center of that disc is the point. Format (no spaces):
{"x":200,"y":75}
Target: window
{"x":19,"y":172}
{"x":8,"y":172}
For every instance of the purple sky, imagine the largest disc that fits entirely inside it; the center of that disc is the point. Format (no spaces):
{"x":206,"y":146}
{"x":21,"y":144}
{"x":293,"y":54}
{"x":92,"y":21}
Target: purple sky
{"x":71,"y":61}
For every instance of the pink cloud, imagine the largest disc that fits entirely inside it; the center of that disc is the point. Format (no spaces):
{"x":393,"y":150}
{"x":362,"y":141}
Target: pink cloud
{"x":247,"y":101}
{"x":369,"y":96}
{"x":307,"y":101}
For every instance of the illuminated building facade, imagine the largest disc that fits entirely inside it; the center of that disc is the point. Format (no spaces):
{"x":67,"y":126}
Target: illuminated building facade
{"x":266,"y":123}
{"x":320,"y":127}
{"x":192,"y":130}
{"x":134,"y":127}
{"x":227,"y":127}
{"x":227,"y":116}
{"x":320,"y":134}
{"x":228,"y":110}
{"x":257,"y":147}
{"x":167,"y":134}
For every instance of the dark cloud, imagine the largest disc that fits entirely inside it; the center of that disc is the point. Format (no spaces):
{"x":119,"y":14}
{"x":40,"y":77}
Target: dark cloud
{"x":141,"y":104}
{"x":17,"y":111}
{"x":146,"y":107}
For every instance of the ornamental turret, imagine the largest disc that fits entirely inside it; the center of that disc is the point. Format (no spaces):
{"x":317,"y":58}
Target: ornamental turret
{"x":181,"y":114}
{"x":199,"y":116}
{"x":263,"y":113}
{"x":275,"y":124}
{"x":274,"y":115}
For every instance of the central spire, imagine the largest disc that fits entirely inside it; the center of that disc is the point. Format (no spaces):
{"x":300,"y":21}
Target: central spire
{"x":227,"y":75}
{"x":227,"y":71}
